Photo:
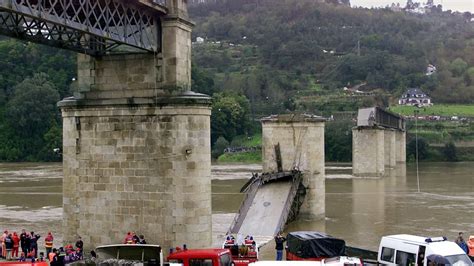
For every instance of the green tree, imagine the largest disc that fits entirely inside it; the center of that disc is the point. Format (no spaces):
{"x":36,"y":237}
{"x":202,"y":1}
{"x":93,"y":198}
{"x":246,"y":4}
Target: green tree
{"x":450,"y":152}
{"x":32,"y":109}
{"x":458,"y":66}
{"x":338,"y":141}
{"x":423,"y":149}
{"x":202,"y":81}
{"x":31,"y":121}
{"x":230,"y":116}
{"x":219,"y":147}
{"x":469,"y":76}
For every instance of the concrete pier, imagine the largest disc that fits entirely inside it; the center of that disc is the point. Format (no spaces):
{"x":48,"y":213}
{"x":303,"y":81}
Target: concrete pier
{"x":368,"y":152}
{"x":136,"y":146}
{"x":401,"y":143}
{"x":301,"y":143}
{"x":378,"y":142}
{"x":390,"y":148}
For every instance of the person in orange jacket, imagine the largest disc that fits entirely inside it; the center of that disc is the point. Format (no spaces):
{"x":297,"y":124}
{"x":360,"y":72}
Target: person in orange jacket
{"x":470,"y":245}
{"x":48,"y":243}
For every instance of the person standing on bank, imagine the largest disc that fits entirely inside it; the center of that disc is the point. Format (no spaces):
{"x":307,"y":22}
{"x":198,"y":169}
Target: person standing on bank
{"x":461,"y":243}
{"x":34,"y":243}
{"x":24,"y":241}
{"x":279,"y":240}
{"x":48,"y":243}
{"x":80,"y":245}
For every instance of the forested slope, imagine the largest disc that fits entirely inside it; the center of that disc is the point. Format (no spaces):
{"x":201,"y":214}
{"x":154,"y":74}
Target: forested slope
{"x":278,"y":51}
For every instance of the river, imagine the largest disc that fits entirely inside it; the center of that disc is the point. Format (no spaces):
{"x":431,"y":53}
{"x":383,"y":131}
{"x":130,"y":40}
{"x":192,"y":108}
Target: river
{"x":357,"y":210}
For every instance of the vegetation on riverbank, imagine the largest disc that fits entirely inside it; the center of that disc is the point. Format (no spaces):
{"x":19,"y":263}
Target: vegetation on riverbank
{"x":242,"y":157}
{"x":447,"y":110}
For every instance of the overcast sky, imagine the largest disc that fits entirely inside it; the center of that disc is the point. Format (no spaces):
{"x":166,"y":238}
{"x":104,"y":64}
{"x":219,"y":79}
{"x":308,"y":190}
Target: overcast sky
{"x":458,"y":5}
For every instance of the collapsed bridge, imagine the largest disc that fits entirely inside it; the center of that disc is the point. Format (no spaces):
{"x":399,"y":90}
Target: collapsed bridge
{"x":271,"y":200}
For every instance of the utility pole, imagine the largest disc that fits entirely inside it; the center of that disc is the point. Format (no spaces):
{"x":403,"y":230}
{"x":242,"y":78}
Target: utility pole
{"x":416,"y":148}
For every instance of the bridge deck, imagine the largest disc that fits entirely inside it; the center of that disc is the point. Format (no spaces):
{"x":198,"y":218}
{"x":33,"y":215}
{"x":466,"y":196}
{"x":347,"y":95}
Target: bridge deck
{"x":271,"y":201}
{"x":263,"y":217}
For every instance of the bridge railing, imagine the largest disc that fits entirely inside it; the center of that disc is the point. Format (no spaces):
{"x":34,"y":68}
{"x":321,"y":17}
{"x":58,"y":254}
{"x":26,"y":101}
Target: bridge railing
{"x":87,"y":26}
{"x":289,"y":202}
{"x":251,"y":191}
{"x":251,"y":188}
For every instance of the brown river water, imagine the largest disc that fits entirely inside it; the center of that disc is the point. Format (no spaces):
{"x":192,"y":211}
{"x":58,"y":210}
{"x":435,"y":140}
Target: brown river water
{"x":357,"y":210}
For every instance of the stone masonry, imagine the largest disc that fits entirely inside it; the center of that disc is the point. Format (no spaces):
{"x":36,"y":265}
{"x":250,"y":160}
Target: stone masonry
{"x":377,"y":149}
{"x":401,"y":141}
{"x":368,"y":152}
{"x":136,"y":146}
{"x":301,"y":139}
{"x":143,"y":169}
{"x":390,"y":148}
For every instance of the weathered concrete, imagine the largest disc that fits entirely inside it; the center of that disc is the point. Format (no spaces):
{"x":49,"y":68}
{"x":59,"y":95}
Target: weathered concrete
{"x":390,"y":148}
{"x":301,"y":139}
{"x":368,"y":152}
{"x":266,"y":210}
{"x":401,"y":145}
{"x":140,"y":168}
{"x":136,"y":148}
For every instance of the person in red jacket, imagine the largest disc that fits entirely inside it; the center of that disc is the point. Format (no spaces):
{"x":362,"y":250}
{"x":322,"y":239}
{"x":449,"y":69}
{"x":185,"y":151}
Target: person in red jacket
{"x":16,"y":245}
{"x":128,"y":238}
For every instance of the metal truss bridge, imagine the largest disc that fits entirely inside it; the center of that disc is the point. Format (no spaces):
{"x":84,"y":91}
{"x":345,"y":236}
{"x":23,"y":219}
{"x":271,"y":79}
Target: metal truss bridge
{"x":375,"y":116}
{"x":93,"y":27}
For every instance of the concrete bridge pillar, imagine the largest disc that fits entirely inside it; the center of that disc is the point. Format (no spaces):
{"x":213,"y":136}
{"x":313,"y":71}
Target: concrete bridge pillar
{"x":401,"y":146}
{"x":368,"y":151}
{"x":390,"y":148}
{"x":136,"y":147}
{"x":301,"y":144}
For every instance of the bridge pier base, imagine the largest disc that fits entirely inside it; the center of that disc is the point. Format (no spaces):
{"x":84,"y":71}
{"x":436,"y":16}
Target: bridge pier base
{"x":368,"y":148}
{"x":390,"y":147}
{"x":140,"y":168}
{"x":301,"y":144}
{"x":401,"y":143}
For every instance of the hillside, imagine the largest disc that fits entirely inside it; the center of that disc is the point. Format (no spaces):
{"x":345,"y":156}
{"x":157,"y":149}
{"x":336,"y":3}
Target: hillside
{"x":299,"y":54}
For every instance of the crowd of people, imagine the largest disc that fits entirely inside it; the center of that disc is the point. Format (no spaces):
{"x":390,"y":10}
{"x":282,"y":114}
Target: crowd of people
{"x":132,"y":238}
{"x":468,"y":246}
{"x":24,"y":247}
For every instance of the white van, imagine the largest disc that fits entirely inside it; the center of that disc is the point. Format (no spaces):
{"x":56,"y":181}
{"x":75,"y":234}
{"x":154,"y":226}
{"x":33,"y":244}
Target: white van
{"x":417,"y":250}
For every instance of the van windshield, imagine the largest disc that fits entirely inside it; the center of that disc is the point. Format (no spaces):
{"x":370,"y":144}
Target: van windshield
{"x":459,"y":260}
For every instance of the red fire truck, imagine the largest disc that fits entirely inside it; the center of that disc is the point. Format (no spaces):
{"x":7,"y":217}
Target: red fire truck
{"x":208,"y":257}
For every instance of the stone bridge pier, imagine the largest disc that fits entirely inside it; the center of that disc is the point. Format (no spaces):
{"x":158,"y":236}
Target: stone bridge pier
{"x":378,"y":142}
{"x":136,"y":146}
{"x":297,"y":142}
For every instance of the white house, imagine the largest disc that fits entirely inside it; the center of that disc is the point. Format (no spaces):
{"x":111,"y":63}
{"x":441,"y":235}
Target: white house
{"x":415,"y":97}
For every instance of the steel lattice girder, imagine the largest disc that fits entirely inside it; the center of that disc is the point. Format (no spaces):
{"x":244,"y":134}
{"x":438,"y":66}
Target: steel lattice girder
{"x":94,"y":27}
